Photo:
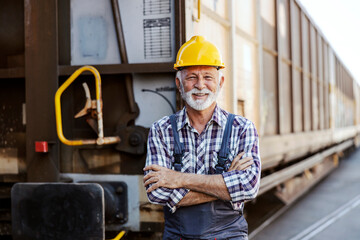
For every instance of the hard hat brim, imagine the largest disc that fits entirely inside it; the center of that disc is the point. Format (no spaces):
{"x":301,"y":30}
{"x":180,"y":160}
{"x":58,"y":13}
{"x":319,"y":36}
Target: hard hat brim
{"x":178,"y":67}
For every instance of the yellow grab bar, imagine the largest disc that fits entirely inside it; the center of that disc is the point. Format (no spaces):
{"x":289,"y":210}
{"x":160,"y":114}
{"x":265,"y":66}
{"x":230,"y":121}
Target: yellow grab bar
{"x":199,"y":11}
{"x":119,"y":236}
{"x":101,"y":139}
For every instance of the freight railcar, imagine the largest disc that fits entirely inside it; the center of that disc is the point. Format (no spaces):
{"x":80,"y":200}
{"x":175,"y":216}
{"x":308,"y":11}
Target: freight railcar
{"x":281,"y":73}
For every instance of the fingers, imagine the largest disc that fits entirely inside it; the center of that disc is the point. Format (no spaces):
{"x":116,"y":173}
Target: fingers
{"x":153,"y":187}
{"x":247,"y":165}
{"x":149,"y":175}
{"x":151,"y":178}
{"x":158,"y":176}
{"x":244,"y":163}
{"x":150,"y":181}
{"x":153,"y":167}
{"x":236,"y":159}
{"x":241,"y":164}
{"x":235,"y":162}
{"x":239,"y":156}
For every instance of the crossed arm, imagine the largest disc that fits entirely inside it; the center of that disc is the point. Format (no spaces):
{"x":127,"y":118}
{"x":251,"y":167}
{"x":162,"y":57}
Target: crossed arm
{"x":203,"y":188}
{"x":173,"y":189}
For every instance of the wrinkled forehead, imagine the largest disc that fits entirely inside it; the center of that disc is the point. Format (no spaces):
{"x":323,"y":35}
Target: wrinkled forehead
{"x":199,"y":70}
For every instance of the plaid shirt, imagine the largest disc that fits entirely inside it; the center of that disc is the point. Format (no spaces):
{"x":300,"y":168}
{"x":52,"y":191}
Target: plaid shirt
{"x":201,"y":152}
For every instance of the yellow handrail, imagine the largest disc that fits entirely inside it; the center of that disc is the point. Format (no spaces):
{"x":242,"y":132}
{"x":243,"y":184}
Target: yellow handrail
{"x":199,"y":11}
{"x":119,"y":236}
{"x":101,"y":140}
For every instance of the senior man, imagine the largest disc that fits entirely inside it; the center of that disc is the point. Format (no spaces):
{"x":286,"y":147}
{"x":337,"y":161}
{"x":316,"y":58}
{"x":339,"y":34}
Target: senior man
{"x":202,"y":162}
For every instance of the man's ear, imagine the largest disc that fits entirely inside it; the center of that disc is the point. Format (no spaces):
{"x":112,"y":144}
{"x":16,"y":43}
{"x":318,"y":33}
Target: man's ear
{"x":177,"y":81}
{"x":222,"y":81}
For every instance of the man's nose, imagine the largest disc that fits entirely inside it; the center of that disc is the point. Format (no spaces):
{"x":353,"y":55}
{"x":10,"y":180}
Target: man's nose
{"x":200,"y":83}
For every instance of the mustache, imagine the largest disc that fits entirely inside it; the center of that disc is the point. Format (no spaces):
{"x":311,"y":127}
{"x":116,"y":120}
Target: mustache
{"x":203,"y":91}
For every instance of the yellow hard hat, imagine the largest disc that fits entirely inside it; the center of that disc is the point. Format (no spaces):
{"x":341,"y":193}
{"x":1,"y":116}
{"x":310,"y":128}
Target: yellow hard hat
{"x":198,"y":52}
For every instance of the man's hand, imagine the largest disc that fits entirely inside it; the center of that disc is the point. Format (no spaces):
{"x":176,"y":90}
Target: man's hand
{"x":161,"y":177}
{"x":240,"y":164}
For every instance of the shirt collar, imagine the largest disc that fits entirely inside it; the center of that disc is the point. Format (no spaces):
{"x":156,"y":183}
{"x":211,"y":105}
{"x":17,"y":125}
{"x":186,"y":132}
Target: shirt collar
{"x":219,"y":116}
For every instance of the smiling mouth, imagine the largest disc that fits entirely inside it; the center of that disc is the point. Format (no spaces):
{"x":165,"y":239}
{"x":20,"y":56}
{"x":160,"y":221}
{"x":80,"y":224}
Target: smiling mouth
{"x":200,"y":95}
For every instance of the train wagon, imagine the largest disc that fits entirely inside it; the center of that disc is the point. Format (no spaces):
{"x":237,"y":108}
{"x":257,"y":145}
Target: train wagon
{"x":81,"y":82}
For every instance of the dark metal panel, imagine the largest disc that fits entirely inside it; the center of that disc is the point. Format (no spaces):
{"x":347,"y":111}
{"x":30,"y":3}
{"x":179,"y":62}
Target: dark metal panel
{"x":123,"y":54}
{"x":64,"y":32}
{"x":58,"y":211}
{"x":180,"y":39}
{"x":11,"y":27}
{"x":122,"y":68}
{"x":180,"y":36}
{"x":12,"y":73}
{"x":41,"y":62}
{"x":119,"y":31}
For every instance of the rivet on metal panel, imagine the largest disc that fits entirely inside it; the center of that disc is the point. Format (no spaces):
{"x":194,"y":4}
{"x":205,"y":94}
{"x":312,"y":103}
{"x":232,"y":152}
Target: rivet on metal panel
{"x":119,"y":189}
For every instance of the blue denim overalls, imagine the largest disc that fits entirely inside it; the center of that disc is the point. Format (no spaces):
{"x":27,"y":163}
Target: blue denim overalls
{"x":216,"y":219}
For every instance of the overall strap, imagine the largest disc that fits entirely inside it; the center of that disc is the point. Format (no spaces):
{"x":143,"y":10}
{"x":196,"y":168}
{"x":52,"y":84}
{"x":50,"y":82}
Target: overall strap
{"x":224,"y":150}
{"x":178,"y":146}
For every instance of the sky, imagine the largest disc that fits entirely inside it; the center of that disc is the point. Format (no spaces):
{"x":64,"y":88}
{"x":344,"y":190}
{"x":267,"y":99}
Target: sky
{"x":339,"y":21}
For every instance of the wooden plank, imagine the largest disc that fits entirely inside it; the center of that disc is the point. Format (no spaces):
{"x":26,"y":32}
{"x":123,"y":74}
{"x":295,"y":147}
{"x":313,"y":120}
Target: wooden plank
{"x":8,"y":161}
{"x":285,"y":148}
{"x":279,"y":72}
{"x":306,"y":70}
{"x":270,"y":108}
{"x":296,"y":86}
{"x":275,"y":179}
{"x":314,"y":73}
{"x":284,"y":28}
{"x":284,"y":72}
{"x":285,"y":98}
{"x":326,"y":86}
{"x":268,"y":16}
{"x":321,"y":81}
{"x":297,"y":186}
{"x":246,"y":17}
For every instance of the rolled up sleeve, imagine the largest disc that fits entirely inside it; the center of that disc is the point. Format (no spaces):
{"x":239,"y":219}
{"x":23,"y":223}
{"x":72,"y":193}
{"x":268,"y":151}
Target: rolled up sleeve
{"x":244,"y":184}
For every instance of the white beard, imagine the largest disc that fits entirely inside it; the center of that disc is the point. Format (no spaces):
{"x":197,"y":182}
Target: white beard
{"x":199,"y":104}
